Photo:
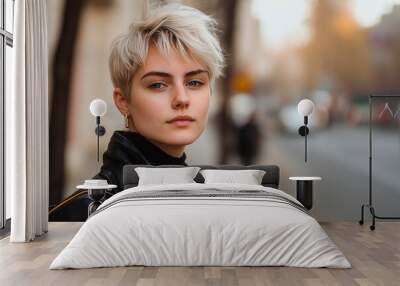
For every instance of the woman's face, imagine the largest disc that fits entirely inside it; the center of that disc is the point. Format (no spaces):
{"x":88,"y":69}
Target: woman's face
{"x":166,"y":87}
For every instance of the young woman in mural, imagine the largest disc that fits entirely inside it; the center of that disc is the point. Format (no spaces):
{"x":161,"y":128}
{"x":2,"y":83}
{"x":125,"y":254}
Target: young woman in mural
{"x":162,"y":71}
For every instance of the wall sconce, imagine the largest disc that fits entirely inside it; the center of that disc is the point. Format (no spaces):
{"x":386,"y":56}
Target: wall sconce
{"x":98,"y":108}
{"x":305,"y":108}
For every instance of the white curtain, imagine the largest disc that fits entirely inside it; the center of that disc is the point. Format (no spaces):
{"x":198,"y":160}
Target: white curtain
{"x":27,"y":124}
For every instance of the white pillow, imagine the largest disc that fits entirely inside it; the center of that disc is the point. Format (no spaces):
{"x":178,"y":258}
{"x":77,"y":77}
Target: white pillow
{"x":161,"y":176}
{"x":249,"y":177}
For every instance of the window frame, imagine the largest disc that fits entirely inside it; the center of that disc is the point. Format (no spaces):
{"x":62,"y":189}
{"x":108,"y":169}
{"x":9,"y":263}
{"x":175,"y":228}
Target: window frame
{"x":6,"y":39}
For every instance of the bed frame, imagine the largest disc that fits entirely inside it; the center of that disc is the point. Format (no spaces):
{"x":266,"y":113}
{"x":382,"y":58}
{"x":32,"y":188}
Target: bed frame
{"x":271,"y":178}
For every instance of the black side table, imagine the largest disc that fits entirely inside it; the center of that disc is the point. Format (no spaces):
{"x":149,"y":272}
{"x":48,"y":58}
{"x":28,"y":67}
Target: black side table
{"x":304,"y":190}
{"x":96,"y":191}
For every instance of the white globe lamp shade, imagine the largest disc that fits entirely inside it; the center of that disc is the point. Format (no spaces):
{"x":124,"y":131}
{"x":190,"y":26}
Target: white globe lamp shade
{"x":98,"y":107}
{"x":305,"y":107}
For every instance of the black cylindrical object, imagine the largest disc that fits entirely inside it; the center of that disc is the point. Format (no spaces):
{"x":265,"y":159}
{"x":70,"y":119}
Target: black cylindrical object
{"x":305,"y":193}
{"x":96,"y":195}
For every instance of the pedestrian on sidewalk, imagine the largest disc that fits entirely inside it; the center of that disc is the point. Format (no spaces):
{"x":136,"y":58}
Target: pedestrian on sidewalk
{"x":245,"y":127}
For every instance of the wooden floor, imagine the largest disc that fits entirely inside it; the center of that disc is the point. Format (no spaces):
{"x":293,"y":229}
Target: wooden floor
{"x":374,"y":255}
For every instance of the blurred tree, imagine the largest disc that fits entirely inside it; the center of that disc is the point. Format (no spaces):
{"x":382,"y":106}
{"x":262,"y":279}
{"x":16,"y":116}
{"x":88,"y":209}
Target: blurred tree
{"x":229,"y":8}
{"x":60,"y":96}
{"x":338,"y":48}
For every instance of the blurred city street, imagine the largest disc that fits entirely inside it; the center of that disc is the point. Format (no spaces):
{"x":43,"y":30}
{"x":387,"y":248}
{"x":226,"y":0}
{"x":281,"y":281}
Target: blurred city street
{"x":340,"y":156}
{"x":334,"y":53}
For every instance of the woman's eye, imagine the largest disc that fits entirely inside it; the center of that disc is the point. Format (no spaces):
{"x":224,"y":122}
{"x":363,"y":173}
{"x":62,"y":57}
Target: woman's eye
{"x":194,"y":83}
{"x":157,"y":85}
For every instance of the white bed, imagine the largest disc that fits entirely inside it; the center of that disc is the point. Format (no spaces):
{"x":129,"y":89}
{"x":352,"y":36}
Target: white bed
{"x":165,"y":225}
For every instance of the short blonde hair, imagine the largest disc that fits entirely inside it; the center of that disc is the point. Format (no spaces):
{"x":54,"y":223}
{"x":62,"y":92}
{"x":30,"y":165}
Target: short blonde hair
{"x":169,"y":26}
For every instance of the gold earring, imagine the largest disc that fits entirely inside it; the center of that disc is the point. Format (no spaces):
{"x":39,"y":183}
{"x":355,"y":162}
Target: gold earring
{"x":126,"y":121}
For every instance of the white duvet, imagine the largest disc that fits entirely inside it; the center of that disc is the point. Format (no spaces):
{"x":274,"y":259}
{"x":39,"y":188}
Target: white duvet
{"x":182,"y":231}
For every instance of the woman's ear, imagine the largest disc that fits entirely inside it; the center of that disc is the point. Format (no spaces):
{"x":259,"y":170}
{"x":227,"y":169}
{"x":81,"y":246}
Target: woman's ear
{"x":120,"y":101}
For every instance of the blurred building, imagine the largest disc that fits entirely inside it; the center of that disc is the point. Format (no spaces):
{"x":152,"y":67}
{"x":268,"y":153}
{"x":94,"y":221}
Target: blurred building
{"x":384,"y":40}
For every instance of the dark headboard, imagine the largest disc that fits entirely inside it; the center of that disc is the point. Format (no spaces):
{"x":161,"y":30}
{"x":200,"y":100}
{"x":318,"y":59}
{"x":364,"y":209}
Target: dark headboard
{"x":270,"y":179}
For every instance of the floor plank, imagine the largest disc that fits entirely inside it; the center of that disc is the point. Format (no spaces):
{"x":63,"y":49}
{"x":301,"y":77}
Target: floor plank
{"x":374,"y":255}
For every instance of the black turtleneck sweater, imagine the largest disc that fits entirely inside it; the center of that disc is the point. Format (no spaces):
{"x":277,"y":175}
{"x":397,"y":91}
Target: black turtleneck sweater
{"x":132,"y":148}
{"x":124,"y":148}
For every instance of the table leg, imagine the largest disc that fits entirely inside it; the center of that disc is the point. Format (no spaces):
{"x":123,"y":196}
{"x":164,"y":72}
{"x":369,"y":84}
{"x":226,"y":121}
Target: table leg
{"x":96,"y":195}
{"x":304,"y":192}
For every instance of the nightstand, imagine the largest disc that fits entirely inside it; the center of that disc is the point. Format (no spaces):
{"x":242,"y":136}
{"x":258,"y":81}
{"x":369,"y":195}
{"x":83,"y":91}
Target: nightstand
{"x":304,"y":190}
{"x":96,"y":192}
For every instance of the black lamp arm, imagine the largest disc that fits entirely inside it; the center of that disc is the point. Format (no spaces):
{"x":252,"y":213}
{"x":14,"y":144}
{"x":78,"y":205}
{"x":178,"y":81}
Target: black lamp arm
{"x":100,"y":131}
{"x":97,"y":133}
